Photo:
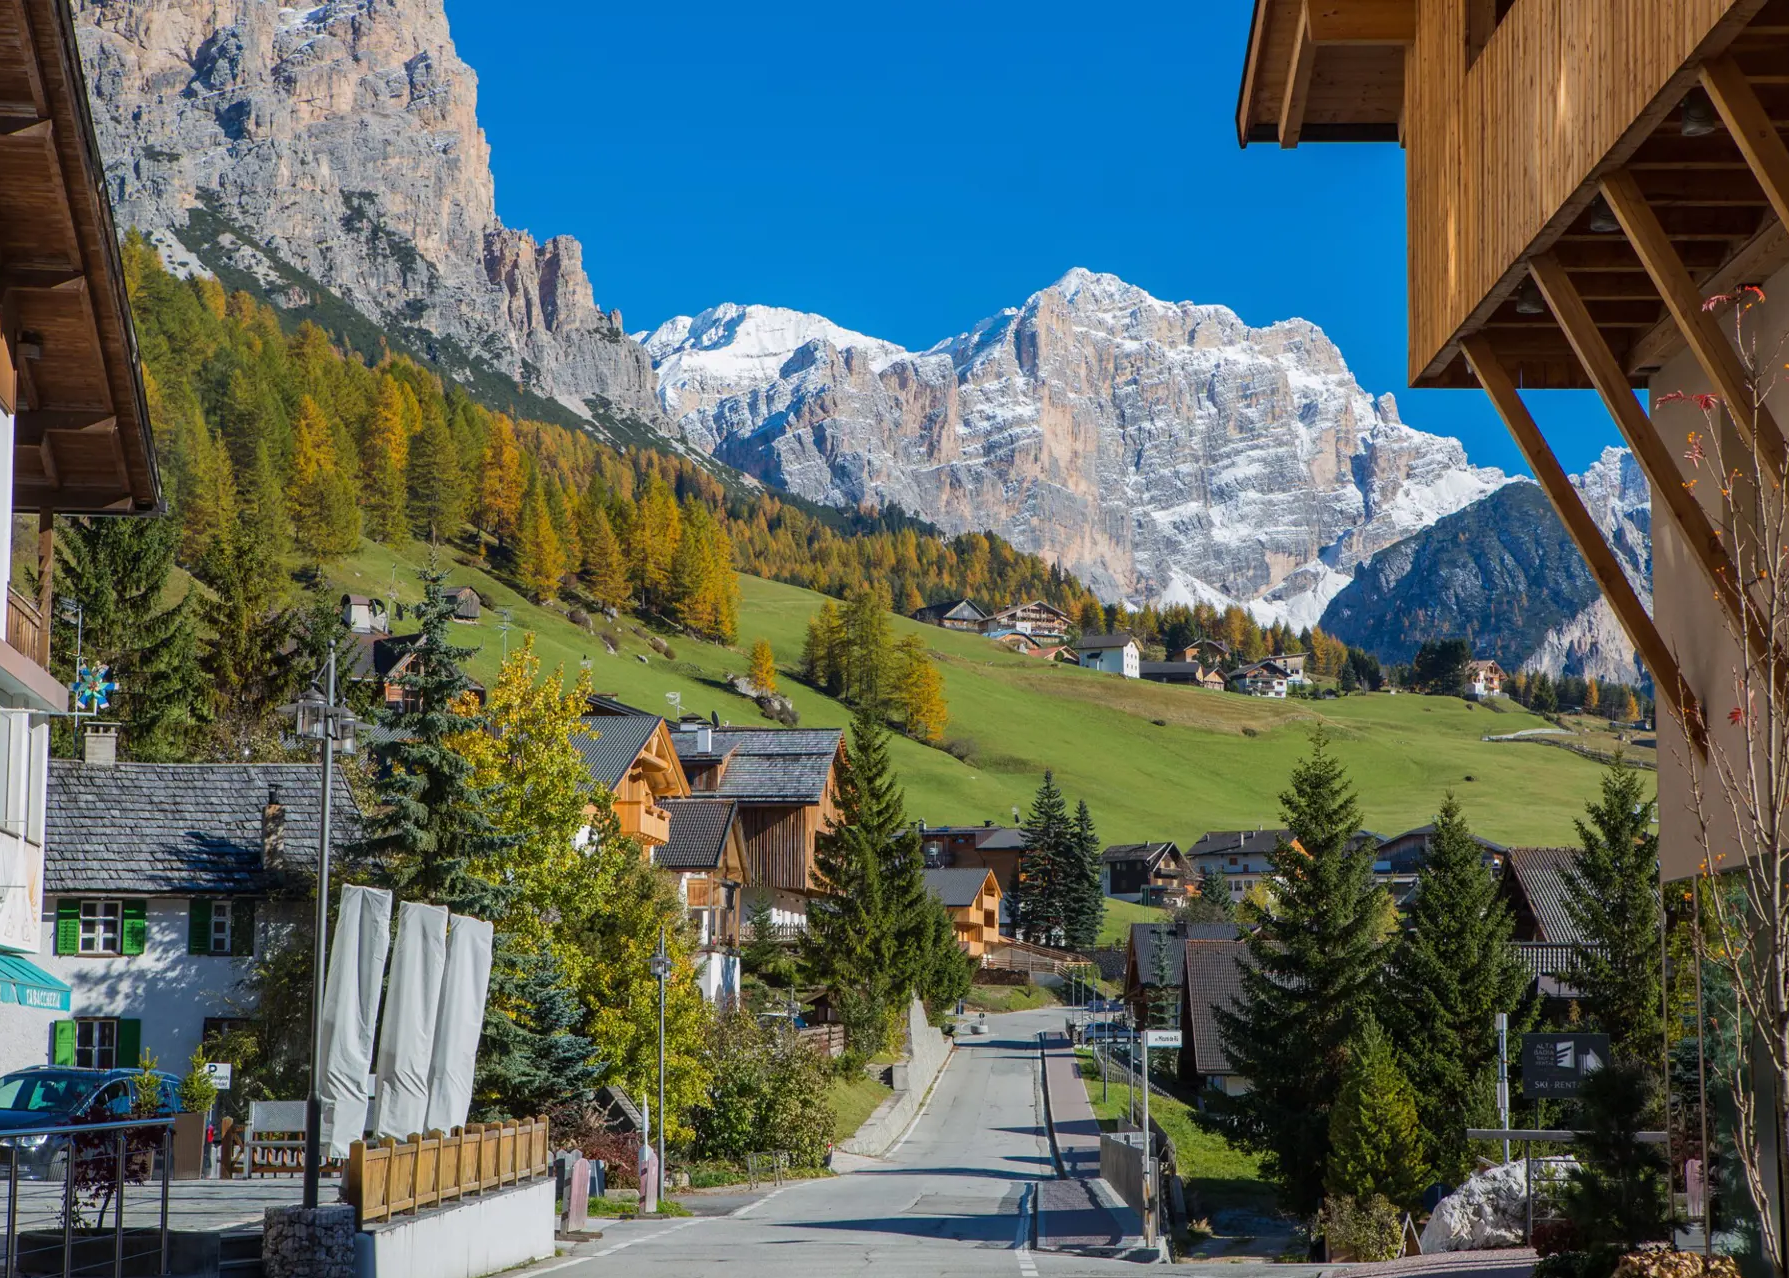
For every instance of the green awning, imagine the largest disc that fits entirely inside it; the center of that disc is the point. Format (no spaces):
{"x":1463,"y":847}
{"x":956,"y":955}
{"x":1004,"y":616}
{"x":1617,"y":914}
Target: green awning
{"x":28,"y":985}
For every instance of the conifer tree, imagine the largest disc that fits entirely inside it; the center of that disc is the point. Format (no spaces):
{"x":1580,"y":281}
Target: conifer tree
{"x":864,"y":656}
{"x":437,"y":488}
{"x":1309,"y":984}
{"x":1612,"y":900}
{"x":532,"y":1057}
{"x":384,"y":454}
{"x":763,"y":670}
{"x":1046,"y":868}
{"x":117,"y":570}
{"x":1593,"y":698}
{"x":249,"y":659}
{"x":822,"y":652}
{"x":656,"y":533}
{"x":1086,"y":906}
{"x":540,"y":562}
{"x":501,"y":480}
{"x":605,"y":574}
{"x":325,"y":506}
{"x":1375,"y":1140}
{"x":1450,"y":972}
{"x":919,"y":690}
{"x":204,"y":486}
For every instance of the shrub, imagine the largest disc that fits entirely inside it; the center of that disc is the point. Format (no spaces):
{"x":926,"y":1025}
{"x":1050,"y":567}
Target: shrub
{"x":767,"y":1091}
{"x":1666,"y":1263}
{"x":1366,"y":1229}
{"x":197,"y":1092}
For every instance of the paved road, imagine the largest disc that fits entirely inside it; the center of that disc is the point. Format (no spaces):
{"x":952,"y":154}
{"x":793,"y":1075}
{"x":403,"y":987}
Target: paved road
{"x":953,"y":1198}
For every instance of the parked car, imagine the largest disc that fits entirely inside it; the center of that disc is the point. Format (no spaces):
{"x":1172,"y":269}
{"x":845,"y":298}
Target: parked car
{"x":1108,"y":1032}
{"x":55,"y":1096}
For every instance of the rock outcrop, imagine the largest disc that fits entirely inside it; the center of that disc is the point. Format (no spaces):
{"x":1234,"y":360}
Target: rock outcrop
{"x":335,"y":148}
{"x":1158,"y":450}
{"x":1491,"y":1208}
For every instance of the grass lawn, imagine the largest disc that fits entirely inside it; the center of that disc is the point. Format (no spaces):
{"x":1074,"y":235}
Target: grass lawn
{"x":853,"y":1100}
{"x":1115,"y":927}
{"x":1153,"y":761}
{"x":1217,"y":1176}
{"x":1009,"y":998}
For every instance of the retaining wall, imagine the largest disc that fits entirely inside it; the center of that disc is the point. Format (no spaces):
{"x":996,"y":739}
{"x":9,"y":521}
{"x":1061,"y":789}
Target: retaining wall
{"x":478,"y":1235}
{"x":927,"y":1052}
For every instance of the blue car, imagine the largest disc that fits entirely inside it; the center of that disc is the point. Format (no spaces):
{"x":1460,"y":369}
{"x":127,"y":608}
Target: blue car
{"x":51,"y":1096}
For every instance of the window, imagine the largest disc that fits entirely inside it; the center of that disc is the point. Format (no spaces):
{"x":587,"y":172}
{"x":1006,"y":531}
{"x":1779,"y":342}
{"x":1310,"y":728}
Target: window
{"x":96,"y":1044}
{"x":220,"y":927}
{"x":102,"y":927}
{"x":1232,"y":860}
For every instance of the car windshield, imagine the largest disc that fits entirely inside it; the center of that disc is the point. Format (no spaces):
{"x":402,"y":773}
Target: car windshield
{"x":41,"y":1092}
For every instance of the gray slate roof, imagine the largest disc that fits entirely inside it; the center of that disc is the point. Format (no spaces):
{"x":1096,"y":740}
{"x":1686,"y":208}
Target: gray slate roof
{"x":1175,"y":935}
{"x":1541,"y":873}
{"x":613,"y":742}
{"x":1237,"y":842}
{"x":769,"y":765}
{"x":1091,"y":642}
{"x":1213,"y":980}
{"x":698,"y":837}
{"x":181,"y":827}
{"x":1134,"y":852}
{"x":956,"y":887}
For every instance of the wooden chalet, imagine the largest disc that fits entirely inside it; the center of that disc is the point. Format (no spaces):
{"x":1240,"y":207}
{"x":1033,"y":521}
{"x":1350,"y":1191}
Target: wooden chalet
{"x":1154,"y":966}
{"x":466,"y":603}
{"x":1149,"y":873}
{"x":953,"y":614}
{"x":783,"y":780}
{"x":1263,"y":678}
{"x":994,"y":847}
{"x":379,"y":661}
{"x":631,"y":755}
{"x":973,"y":897}
{"x":1534,"y":886}
{"x":1033,"y":618}
{"x":1484,"y":679}
{"x":706,"y":852}
{"x":1211,"y":978}
{"x":1580,"y":180}
{"x":1176,"y":670}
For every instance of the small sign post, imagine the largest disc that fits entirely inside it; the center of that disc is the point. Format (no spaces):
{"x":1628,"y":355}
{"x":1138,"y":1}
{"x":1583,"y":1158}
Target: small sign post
{"x":1161,"y":1038}
{"x":220,"y":1072}
{"x":1556,"y":1064}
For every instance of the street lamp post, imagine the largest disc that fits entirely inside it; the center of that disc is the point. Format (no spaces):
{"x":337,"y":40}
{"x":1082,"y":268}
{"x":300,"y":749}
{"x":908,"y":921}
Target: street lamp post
{"x":661,"y":968}
{"x":316,"y":716}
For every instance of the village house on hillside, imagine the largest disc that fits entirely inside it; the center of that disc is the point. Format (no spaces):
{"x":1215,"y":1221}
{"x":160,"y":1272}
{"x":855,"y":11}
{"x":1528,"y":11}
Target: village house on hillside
{"x":629,"y":753}
{"x":1241,"y":856}
{"x":972,"y":896}
{"x":953,"y":614}
{"x":1149,"y":873}
{"x":1269,"y":678}
{"x":1211,"y":978}
{"x":705,"y":851}
{"x":987,"y":846}
{"x":161,"y":883}
{"x":1155,"y":960}
{"x":1115,"y":654}
{"x":1033,"y":618}
{"x":1484,"y":679}
{"x":1175,"y":670}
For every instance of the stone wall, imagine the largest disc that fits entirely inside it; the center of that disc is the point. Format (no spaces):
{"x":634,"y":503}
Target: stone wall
{"x":308,"y":1242}
{"x":927,"y":1052}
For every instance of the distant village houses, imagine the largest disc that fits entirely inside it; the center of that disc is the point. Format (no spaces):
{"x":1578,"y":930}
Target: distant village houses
{"x":1484,"y":679}
{"x":1116,"y":654}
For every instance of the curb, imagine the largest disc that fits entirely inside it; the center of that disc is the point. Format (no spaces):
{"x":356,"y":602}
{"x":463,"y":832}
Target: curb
{"x":1043,"y":1071}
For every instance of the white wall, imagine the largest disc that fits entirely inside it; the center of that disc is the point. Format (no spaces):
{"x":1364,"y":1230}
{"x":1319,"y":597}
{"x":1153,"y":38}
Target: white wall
{"x":169,"y":990}
{"x":479,"y":1235}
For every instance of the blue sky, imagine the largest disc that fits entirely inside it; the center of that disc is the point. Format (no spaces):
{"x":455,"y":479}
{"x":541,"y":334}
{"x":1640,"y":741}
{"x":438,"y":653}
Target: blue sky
{"x":906,"y":173}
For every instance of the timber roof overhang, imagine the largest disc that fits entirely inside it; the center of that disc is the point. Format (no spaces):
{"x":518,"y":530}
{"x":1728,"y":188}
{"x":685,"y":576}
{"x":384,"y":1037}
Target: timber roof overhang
{"x":1324,"y":71}
{"x":81,"y":436}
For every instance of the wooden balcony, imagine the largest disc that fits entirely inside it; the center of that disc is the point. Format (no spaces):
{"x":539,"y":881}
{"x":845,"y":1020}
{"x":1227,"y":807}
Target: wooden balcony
{"x":25,"y":657}
{"x":645,"y":822}
{"x":26,"y":632}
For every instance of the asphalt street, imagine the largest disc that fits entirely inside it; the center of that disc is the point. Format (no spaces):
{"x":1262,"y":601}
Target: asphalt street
{"x":954,"y":1197}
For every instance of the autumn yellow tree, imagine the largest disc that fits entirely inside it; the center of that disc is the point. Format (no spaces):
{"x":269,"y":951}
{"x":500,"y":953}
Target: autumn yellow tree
{"x":605,"y":572}
{"x":540,"y":559}
{"x":1593,"y":696}
{"x":1630,"y":708}
{"x":384,"y":454}
{"x":325,"y":511}
{"x":763,"y":671}
{"x":919,"y":691}
{"x":656,"y":533}
{"x":501,"y":481}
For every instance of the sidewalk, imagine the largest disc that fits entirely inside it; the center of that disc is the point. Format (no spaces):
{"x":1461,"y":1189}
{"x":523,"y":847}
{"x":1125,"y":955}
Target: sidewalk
{"x":1081,"y":1212}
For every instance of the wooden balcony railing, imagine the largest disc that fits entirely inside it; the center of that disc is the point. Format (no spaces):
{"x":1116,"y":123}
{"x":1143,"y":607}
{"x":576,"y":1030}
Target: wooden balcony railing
{"x":392,"y":1178}
{"x":25,"y":630}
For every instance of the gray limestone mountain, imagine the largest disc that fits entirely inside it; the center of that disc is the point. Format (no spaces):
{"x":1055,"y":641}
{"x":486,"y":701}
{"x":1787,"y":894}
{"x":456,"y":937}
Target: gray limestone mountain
{"x":328,"y":156}
{"x":1155,"y":449}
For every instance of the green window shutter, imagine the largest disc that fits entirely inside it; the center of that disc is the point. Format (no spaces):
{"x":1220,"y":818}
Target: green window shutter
{"x":130,"y":1043}
{"x":242,"y":928}
{"x":136,"y":926}
{"x":198,"y":926}
{"x":62,"y":1051}
{"x":68,"y":933}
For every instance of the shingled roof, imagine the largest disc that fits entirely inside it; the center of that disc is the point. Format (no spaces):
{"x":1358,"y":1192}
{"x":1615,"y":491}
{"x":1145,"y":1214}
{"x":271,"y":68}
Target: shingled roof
{"x":181,"y":827}
{"x":959,"y":887}
{"x":1541,"y":874}
{"x":698,"y":835}
{"x":1134,"y":852}
{"x":1213,"y":980}
{"x":768,"y":765}
{"x":611,"y":743}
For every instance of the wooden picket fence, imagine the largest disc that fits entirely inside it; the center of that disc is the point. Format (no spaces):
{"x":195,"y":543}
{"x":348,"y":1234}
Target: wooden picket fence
{"x":396,"y":1178}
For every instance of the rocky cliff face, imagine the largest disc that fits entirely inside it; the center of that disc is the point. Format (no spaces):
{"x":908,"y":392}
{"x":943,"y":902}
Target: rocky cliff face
{"x":1505,"y":574}
{"x":1156,"y":449}
{"x":334,"y":147}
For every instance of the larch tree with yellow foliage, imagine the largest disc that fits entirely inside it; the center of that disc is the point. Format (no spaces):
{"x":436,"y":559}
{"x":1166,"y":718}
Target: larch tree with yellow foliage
{"x":605,"y":572}
{"x":919,"y":691}
{"x":325,"y":505}
{"x":763,"y":671}
{"x":540,"y":559}
{"x":384,"y":454}
{"x":653,"y":547}
{"x":1593,"y":697}
{"x":501,"y":481}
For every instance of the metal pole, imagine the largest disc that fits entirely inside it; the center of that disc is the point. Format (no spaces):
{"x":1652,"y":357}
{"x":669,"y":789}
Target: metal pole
{"x":68,"y":1209}
{"x":1665,"y":1056}
{"x":118,"y":1214}
{"x":1502,"y":1021}
{"x":167,"y":1167}
{"x":12,"y":1215}
{"x":1528,"y":1183}
{"x":1148,"y":1155}
{"x":1702,"y":1076}
{"x":662,"y":964}
{"x":313,"y":1108}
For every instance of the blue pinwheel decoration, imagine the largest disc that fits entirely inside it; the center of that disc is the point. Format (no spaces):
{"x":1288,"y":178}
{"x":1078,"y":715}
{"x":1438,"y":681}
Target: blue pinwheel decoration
{"x":93,"y":688}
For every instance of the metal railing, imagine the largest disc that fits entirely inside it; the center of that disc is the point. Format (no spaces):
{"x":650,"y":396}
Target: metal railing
{"x":53,"y":1229}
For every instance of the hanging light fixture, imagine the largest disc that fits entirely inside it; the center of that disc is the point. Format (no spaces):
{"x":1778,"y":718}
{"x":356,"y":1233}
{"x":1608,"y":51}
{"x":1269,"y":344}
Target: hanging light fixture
{"x":1602,"y":218}
{"x":1529,"y":300}
{"x":1699,"y":116}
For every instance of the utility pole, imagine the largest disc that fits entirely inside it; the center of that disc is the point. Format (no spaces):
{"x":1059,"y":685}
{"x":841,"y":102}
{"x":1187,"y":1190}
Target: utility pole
{"x":661,"y":968}
{"x":1502,"y":1022}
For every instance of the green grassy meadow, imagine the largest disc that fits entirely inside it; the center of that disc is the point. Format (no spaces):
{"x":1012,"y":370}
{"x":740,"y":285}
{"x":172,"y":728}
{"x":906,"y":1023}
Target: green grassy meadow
{"x":1115,"y":926}
{"x":1152,"y":761}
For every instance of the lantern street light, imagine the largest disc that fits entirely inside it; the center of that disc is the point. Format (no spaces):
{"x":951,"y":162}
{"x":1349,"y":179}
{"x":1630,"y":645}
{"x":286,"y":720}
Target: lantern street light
{"x":661,"y":969}
{"x":316,"y":717}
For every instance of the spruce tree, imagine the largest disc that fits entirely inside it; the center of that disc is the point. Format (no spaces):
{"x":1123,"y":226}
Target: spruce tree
{"x":532,"y":1057}
{"x":1612,"y":900}
{"x":117,"y":570}
{"x":437,"y":487}
{"x":1376,"y":1142}
{"x":605,"y":574}
{"x":1308,"y":985}
{"x":1450,"y":972}
{"x":1046,"y":868}
{"x":1086,"y":903}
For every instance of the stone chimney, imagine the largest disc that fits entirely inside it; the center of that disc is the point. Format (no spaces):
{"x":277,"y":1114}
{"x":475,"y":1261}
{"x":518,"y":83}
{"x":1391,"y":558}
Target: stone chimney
{"x":99,"y":744}
{"x":273,"y":831}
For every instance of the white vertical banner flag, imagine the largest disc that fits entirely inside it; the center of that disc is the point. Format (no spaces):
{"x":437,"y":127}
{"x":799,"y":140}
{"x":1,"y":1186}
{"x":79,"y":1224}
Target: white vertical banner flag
{"x":351,"y":1012}
{"x":460,"y":1022}
{"x":407,"y":1038}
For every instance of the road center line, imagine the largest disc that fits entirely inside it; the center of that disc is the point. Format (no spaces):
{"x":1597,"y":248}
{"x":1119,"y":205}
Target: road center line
{"x":756,"y":1202}
{"x":610,"y":1251}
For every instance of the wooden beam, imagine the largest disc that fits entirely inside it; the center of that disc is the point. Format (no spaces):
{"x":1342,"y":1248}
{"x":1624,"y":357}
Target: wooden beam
{"x":1362,"y":21}
{"x":1649,"y":449}
{"x":1762,"y":256}
{"x":46,"y":579}
{"x":39,"y":280}
{"x":1752,"y":131}
{"x":1667,"y":679}
{"x":46,"y":453}
{"x":1298,"y":80}
{"x":1703,"y":336}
